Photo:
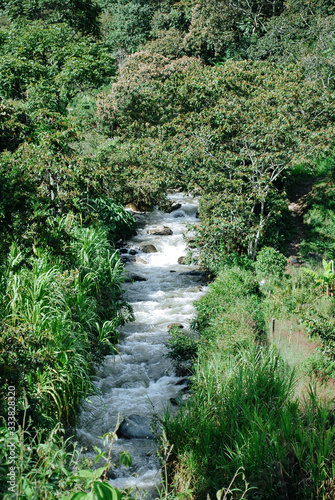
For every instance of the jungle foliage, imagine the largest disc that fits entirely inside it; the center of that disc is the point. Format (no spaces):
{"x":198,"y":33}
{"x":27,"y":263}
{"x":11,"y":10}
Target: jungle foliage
{"x":108,"y":102}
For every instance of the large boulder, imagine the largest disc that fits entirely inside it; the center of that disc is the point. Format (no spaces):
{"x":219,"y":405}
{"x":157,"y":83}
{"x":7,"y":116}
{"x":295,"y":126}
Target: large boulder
{"x":202,"y":276}
{"x":135,"y":427}
{"x":148,"y":249}
{"x":138,"y":207}
{"x":178,"y":215}
{"x":127,"y":258}
{"x":161,"y":231}
{"x":133,"y":207}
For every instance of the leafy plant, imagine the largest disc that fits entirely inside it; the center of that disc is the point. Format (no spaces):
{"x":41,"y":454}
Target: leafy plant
{"x":326,"y":279}
{"x":182,"y":348}
{"x":50,"y":467}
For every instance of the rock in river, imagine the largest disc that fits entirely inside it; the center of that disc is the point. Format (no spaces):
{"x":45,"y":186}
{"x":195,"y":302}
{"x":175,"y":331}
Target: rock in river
{"x":161,"y":231}
{"x":173,"y":207}
{"x":135,"y":427}
{"x":148,"y":249}
{"x":135,"y":277}
{"x":139,"y":260}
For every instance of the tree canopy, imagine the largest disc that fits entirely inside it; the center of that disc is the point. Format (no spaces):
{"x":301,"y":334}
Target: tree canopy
{"x":227,"y":133}
{"x":81,"y":15}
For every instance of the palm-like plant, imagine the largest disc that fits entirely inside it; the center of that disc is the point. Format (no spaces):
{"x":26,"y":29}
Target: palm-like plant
{"x":326,"y":279}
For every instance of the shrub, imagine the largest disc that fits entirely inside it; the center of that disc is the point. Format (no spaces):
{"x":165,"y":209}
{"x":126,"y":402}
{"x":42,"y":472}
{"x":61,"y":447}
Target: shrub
{"x":270,"y":264}
{"x":183,"y":348}
{"x":223,"y":303}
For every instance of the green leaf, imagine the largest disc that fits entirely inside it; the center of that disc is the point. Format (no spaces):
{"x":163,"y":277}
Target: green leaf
{"x":126,"y":459}
{"x":76,"y":496}
{"x":99,"y":472}
{"x":105,"y":491}
{"x":85,"y":473}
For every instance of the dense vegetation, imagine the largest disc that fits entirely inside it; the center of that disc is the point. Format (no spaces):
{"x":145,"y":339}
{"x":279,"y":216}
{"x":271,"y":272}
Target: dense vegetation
{"x":248,"y":428}
{"x":109,"y":102}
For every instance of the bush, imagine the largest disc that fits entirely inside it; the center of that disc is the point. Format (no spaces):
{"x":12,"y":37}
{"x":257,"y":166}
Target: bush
{"x":183,"y":348}
{"x":323,"y":328}
{"x":223,"y":303}
{"x":270,"y":264}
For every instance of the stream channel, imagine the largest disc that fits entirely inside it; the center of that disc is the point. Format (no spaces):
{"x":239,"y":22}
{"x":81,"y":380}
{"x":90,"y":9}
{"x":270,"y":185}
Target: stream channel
{"x":141,"y":380}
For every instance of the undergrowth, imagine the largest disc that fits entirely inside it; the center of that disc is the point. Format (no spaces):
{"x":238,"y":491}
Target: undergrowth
{"x":60,"y":314}
{"x":243,"y":414}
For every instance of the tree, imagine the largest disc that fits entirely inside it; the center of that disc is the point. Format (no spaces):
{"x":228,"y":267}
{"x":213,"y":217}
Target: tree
{"x":15,"y":126}
{"x":47,"y":65}
{"x":81,"y":15}
{"x":227,"y":133}
{"x":129,"y":25}
{"x":302,"y":34}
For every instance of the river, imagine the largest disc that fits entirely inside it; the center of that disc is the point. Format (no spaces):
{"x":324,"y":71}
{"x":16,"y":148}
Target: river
{"x":141,"y":380}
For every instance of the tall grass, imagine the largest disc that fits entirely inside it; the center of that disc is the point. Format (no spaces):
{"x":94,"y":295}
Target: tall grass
{"x":59,"y":316}
{"x":230,"y":313}
{"x":243,"y":414}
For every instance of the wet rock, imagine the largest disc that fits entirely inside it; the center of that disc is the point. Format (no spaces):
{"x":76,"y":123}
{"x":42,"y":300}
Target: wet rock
{"x":178,"y":215}
{"x":138,"y":207}
{"x":127,"y":258}
{"x":202,"y":274}
{"x":139,"y":260}
{"x":135,"y":427}
{"x":181,"y":260}
{"x":180,"y":400}
{"x":135,"y":277}
{"x":123,"y":250}
{"x":174,"y":325}
{"x":148,"y":249}
{"x":174,"y":207}
{"x":174,"y":401}
{"x":185,"y":383}
{"x":161,"y":231}
{"x":132,"y":251}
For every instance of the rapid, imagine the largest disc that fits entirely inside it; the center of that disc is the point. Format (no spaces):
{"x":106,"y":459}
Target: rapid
{"x":141,"y":379}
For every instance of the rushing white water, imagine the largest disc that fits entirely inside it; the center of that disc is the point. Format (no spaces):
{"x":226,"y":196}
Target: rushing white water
{"x":142,"y":379}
